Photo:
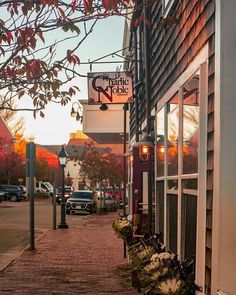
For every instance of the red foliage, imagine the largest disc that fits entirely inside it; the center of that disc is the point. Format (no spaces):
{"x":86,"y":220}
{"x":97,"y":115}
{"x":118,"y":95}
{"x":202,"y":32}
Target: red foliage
{"x":27,"y":67}
{"x":50,"y":158}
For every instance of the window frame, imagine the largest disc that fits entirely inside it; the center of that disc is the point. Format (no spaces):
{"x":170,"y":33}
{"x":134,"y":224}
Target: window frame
{"x":199,"y":63}
{"x":167,"y":6}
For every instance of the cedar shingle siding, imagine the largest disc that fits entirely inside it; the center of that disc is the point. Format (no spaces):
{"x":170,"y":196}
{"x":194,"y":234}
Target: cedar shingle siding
{"x":172,"y":48}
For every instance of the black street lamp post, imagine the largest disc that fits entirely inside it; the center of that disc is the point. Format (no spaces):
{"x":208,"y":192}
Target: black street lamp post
{"x":62,"y":156}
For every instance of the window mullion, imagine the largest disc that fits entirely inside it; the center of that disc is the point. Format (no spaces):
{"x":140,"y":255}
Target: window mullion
{"x":180,"y":169}
{"x":165,"y":172}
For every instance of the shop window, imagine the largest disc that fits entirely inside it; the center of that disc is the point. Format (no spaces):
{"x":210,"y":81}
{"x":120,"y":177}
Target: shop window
{"x":189,"y":226}
{"x":172,"y":222}
{"x":172,"y":135}
{"x":172,"y":185}
{"x":160,"y":209}
{"x":160,"y":145}
{"x":190,"y":125}
{"x":190,"y":184}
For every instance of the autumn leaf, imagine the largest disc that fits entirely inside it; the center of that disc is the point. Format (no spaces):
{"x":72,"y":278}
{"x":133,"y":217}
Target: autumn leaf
{"x":62,"y":12}
{"x":74,"y":5}
{"x":88,"y":8}
{"x":71,"y":91}
{"x":9,"y":37}
{"x":69,"y":56}
{"x":108,"y":4}
{"x":21,"y":93}
{"x":42,"y":114}
{"x":24,"y":10}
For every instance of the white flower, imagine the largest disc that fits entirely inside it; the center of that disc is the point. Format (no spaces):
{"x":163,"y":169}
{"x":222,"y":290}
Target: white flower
{"x":155,"y":257}
{"x":155,"y":275}
{"x":130,"y":217}
{"x":165,"y":256}
{"x":152,"y":265}
{"x":170,"y":286}
{"x":160,"y":272}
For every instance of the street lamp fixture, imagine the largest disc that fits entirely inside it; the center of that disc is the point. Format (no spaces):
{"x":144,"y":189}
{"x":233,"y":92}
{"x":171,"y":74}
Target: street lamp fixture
{"x":62,"y":156}
{"x":77,"y":113}
{"x":103,"y":107}
{"x":144,"y":146}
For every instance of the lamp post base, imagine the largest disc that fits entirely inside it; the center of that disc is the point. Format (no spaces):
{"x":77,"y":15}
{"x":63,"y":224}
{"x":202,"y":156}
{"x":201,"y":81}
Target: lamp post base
{"x":63,"y":226}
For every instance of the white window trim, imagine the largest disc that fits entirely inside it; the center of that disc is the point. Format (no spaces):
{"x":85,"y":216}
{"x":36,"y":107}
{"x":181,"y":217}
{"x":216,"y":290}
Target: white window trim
{"x":186,"y":75}
{"x":167,"y":7}
{"x":200,"y":62}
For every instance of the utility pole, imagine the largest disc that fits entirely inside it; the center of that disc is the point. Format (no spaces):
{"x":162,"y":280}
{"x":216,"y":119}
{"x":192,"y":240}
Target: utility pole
{"x":30,"y":174}
{"x":124,"y":167}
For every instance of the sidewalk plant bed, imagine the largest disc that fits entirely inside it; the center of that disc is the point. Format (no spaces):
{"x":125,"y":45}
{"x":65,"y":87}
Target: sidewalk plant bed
{"x":155,"y":270}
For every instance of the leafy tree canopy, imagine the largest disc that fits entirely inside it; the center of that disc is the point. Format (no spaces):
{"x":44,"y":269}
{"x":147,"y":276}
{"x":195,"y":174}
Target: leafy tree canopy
{"x":101,"y":169}
{"x":33,"y":62}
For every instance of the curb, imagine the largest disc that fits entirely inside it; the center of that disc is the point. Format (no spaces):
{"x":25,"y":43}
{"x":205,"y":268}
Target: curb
{"x":21,"y":252}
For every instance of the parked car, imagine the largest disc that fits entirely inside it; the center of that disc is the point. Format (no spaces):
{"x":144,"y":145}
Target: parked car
{"x":24,"y":191}
{"x":110,"y":203}
{"x":67,"y":194}
{"x":49,"y":187}
{"x":81,"y":201}
{"x":11,"y":192}
{"x":116,"y":193}
{"x":41,"y":189}
{"x":2,"y":196}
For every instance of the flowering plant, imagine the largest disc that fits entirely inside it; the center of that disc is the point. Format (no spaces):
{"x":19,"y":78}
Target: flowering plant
{"x":157,"y":268}
{"x":122,"y":227}
{"x":171,"y":277}
{"x":157,"y":271}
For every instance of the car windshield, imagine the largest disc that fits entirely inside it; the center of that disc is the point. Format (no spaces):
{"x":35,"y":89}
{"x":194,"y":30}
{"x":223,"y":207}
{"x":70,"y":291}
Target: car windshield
{"x":82,"y":195}
{"x":67,"y":189}
{"x":108,"y":198}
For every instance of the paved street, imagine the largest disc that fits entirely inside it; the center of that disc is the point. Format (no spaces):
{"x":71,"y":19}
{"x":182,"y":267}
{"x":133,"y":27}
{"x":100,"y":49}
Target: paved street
{"x":14,"y":226}
{"x":85,"y":259}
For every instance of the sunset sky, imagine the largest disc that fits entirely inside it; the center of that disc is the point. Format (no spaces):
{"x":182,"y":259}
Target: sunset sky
{"x":57,"y":124}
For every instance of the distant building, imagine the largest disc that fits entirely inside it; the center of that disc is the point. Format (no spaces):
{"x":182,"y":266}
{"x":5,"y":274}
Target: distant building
{"x":6,"y":138}
{"x":75,"y":147}
{"x":79,"y":139}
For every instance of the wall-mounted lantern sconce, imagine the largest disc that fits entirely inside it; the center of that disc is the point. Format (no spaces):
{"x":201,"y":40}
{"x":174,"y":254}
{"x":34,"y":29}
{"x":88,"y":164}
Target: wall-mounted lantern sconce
{"x":78,"y":114}
{"x":144,"y":146}
{"x":161,"y":149}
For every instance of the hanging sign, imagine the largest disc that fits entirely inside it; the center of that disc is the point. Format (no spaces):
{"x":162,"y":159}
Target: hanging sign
{"x":109,"y":88}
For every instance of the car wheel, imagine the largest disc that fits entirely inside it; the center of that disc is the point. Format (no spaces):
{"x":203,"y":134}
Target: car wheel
{"x":68,"y":212}
{"x":13,"y":198}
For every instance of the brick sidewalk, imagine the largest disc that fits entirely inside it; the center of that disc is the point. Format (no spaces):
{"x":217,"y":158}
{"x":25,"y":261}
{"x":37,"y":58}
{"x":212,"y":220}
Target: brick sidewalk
{"x":81,"y":260}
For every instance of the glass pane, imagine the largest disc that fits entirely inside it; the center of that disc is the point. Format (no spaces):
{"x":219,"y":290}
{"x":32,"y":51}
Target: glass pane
{"x":173,"y":132}
{"x":172,"y":184}
{"x":190,"y":184}
{"x":160,"y":142}
{"x":190,"y":125}
{"x":160,"y":209}
{"x":189,"y":226}
{"x":172,"y":222}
